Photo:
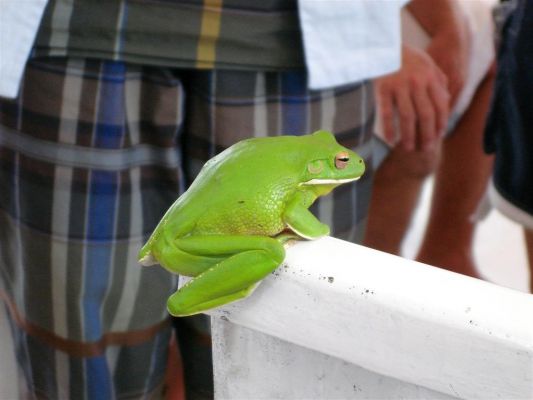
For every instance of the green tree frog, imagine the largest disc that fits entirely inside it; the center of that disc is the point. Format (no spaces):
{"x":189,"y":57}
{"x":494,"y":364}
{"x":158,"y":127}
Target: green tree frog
{"x":228,"y":230}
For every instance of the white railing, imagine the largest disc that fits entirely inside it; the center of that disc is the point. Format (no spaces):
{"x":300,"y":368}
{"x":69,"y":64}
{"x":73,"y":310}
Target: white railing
{"x":339,"y":320}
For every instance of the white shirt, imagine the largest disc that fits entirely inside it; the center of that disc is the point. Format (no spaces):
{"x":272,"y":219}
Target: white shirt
{"x":19,"y":21}
{"x":348,"y":41}
{"x":345,"y":41}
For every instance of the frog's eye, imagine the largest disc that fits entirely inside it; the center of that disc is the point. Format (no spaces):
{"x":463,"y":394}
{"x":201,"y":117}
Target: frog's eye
{"x":341,"y":160}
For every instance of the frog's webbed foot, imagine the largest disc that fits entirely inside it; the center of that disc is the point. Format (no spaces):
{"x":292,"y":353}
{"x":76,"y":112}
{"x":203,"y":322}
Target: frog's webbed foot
{"x":148,"y":260}
{"x":248,"y":259}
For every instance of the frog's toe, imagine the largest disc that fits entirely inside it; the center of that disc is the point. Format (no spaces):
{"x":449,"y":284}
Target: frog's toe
{"x":147,"y":260}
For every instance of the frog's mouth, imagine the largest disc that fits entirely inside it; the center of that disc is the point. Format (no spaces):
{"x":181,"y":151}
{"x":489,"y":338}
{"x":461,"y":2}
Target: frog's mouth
{"x":329,"y":181}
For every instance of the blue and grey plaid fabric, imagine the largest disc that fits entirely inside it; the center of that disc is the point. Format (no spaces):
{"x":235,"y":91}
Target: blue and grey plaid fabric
{"x":91,"y":155}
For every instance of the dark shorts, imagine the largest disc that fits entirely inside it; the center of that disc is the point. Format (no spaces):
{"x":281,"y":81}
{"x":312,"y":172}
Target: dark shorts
{"x":509,"y":132}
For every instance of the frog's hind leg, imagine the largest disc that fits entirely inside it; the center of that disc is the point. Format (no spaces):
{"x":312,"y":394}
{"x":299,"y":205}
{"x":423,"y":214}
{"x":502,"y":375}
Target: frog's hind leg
{"x":207,"y":305}
{"x":249,"y":259}
{"x":178,"y":261}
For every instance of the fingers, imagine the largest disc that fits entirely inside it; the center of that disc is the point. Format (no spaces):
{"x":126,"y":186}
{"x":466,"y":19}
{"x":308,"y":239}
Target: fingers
{"x":452,"y":55}
{"x":407,"y":118}
{"x":431,"y":104}
{"x":427,"y":128}
{"x":443,"y":79}
{"x":414,"y":103}
{"x":386,"y":113}
{"x":441,"y":100}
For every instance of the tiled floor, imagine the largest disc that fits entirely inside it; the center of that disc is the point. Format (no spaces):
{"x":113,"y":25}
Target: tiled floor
{"x":499,"y":252}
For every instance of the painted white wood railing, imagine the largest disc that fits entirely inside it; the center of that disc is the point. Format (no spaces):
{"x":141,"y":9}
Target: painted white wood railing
{"x":338,"y":320}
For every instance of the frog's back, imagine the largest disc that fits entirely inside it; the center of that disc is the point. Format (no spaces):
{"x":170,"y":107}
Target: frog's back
{"x":242,"y":190}
{"x":239,"y":192}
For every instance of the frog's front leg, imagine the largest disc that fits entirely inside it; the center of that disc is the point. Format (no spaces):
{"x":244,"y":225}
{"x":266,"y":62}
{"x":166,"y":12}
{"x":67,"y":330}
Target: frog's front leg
{"x":249,"y":259}
{"x":302,"y":221}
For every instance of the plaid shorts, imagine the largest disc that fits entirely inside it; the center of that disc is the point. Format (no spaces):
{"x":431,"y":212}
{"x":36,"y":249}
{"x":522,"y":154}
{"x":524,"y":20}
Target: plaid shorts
{"x":92,"y":153}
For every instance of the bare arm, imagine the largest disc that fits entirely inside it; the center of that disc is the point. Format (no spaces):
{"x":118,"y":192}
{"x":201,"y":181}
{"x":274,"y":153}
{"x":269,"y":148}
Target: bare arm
{"x":418,"y":97}
{"x":437,"y":15}
{"x":447,"y":26}
{"x":427,"y":86}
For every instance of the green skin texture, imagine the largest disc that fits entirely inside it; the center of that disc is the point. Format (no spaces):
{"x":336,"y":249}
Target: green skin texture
{"x":228,"y":229}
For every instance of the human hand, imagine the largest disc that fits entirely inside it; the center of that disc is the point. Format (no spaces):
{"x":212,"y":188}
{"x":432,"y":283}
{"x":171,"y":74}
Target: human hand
{"x":418,"y":97}
{"x":451,"y":36}
{"x":450,"y":49}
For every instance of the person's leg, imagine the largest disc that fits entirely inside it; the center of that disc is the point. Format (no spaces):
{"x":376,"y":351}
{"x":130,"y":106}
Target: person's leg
{"x":528,"y":234}
{"x":460,"y":183}
{"x":87,"y":167}
{"x":194,"y":342}
{"x":396,"y":190}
